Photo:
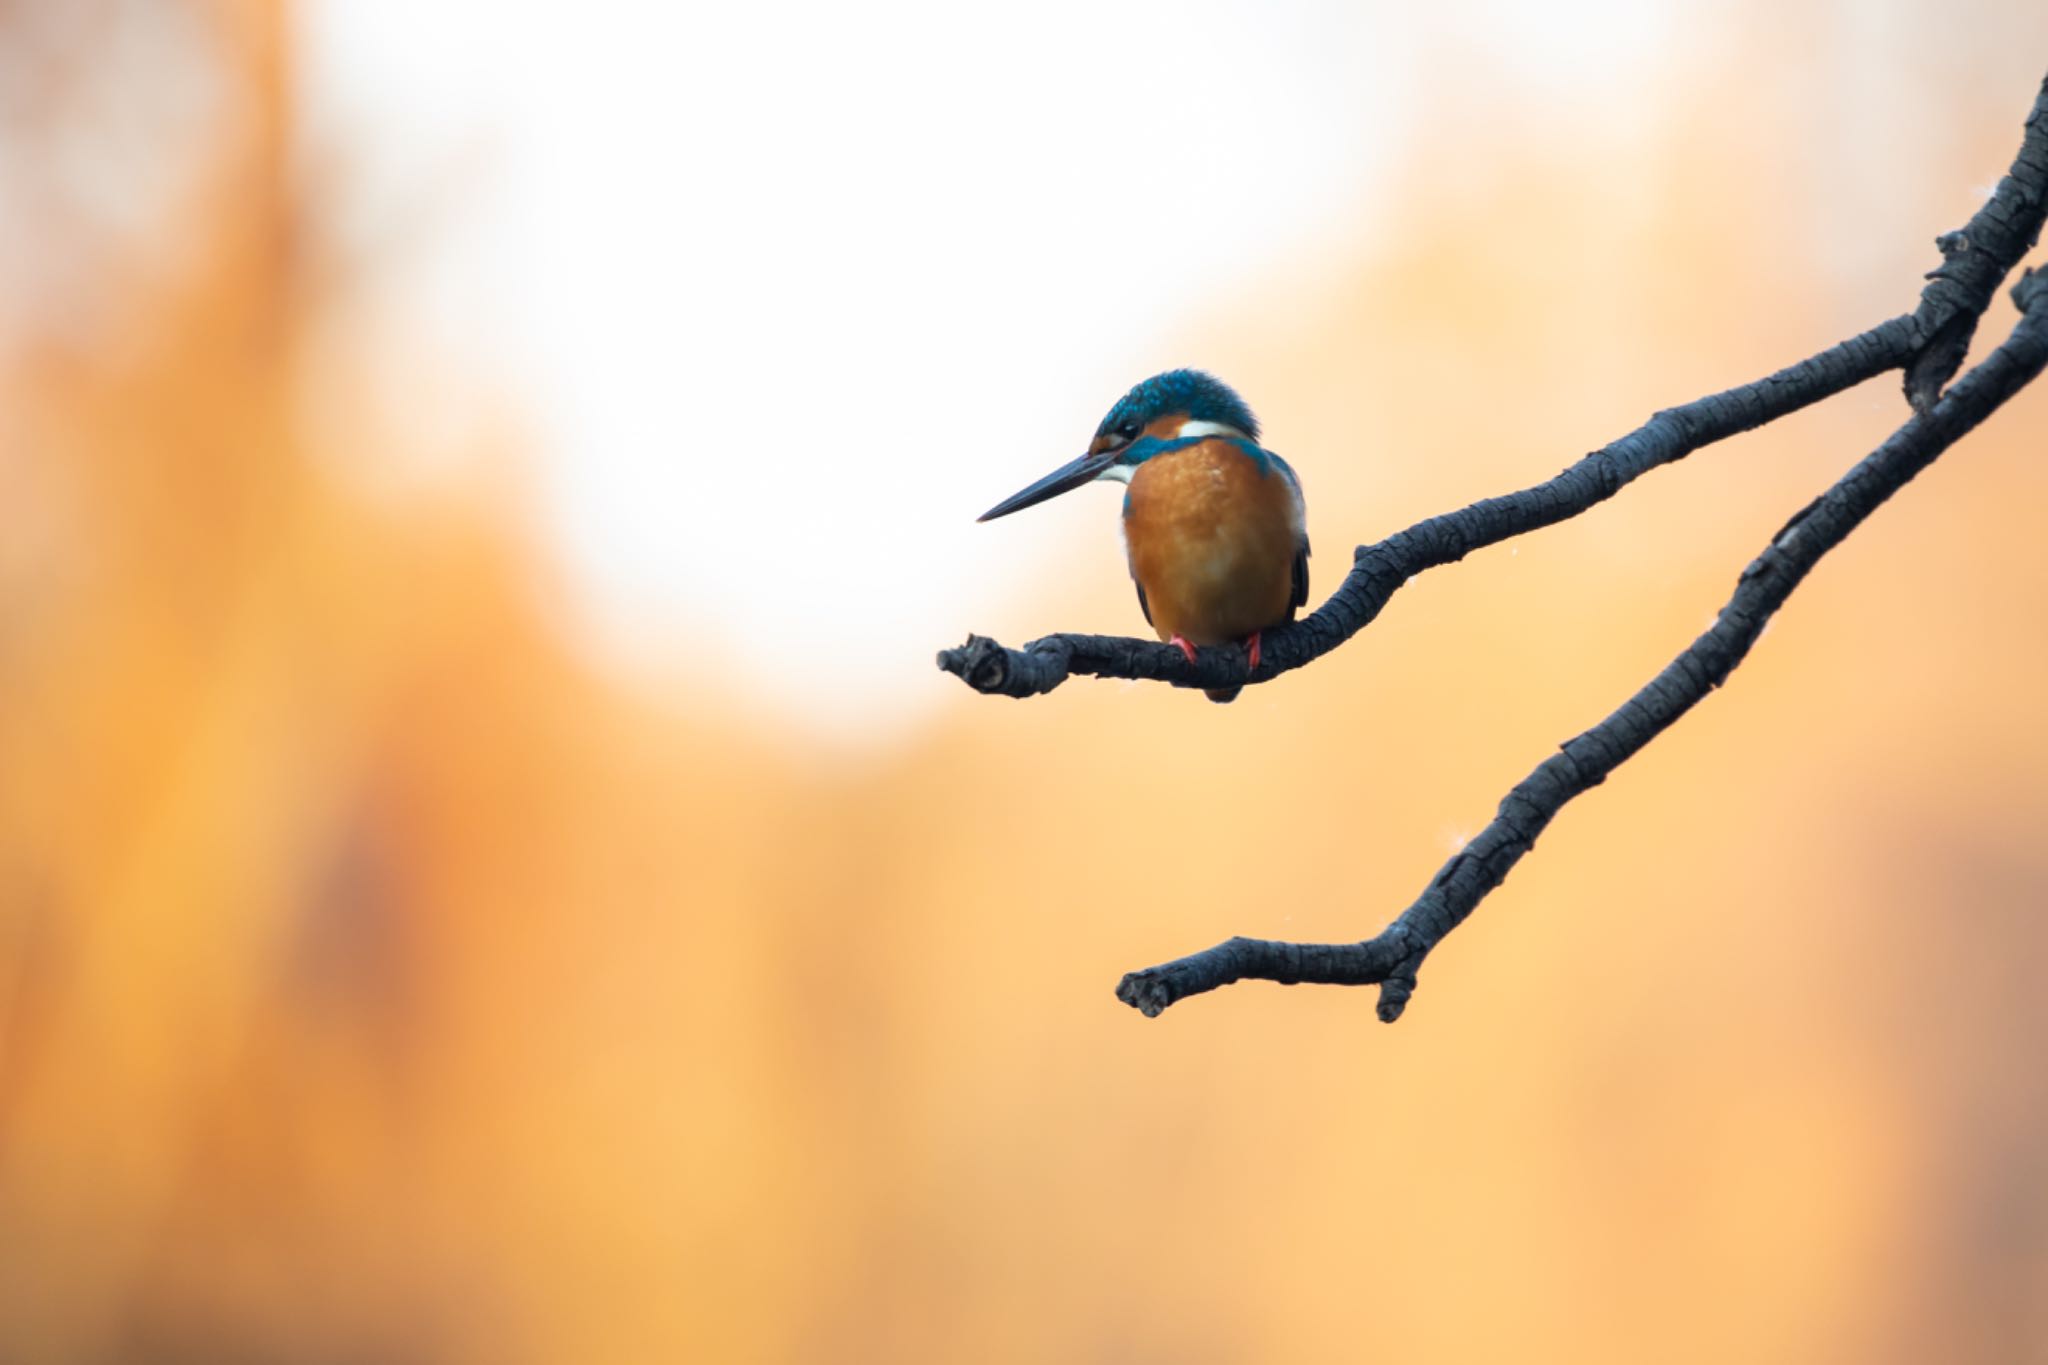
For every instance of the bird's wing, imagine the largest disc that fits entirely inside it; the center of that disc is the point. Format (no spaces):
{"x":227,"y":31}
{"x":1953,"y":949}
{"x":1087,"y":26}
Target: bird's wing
{"x":1300,"y":532}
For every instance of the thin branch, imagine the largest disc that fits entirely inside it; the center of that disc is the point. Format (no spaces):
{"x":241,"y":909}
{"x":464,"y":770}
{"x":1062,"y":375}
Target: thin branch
{"x":1379,"y":571}
{"x":1928,"y":343}
{"x":1392,"y":958}
{"x":1975,"y":259}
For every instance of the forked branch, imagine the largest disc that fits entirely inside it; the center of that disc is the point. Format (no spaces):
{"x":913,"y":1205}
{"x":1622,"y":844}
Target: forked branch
{"x":1927,"y":344}
{"x":1391,"y":958}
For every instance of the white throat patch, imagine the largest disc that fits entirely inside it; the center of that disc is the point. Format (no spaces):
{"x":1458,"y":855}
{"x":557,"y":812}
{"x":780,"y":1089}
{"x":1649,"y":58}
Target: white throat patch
{"x":1118,"y":473}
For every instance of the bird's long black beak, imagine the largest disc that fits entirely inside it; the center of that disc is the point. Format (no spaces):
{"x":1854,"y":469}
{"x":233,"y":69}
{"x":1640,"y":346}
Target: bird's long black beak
{"x":1068,"y":476}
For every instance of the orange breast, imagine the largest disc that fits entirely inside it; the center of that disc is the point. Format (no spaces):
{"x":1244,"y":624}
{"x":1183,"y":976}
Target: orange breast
{"x":1212,"y":542}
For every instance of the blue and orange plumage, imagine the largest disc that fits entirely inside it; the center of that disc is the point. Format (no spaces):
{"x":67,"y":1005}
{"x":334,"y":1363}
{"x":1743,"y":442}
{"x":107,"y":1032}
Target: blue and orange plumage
{"x":1213,"y":522}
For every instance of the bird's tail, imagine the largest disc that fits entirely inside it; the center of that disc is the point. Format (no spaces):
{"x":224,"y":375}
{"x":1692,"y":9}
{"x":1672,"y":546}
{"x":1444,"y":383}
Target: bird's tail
{"x":1222,"y":694}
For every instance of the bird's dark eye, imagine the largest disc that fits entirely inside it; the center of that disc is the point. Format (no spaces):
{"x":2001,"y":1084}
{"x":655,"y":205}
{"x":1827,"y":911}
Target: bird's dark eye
{"x":1129,"y":429}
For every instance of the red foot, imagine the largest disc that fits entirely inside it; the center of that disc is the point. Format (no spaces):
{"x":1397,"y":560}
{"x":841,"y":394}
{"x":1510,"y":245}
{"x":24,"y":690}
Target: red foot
{"x":1251,"y":648}
{"x":1180,"y":642}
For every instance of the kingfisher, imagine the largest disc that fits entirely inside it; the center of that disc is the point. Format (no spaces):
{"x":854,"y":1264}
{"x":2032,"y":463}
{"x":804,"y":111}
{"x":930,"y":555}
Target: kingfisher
{"x":1214,"y":525}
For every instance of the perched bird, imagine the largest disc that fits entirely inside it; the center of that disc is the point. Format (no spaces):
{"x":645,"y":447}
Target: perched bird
{"x":1213,"y":522}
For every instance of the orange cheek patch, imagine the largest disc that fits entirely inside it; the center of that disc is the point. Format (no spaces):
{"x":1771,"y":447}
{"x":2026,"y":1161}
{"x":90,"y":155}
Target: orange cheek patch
{"x":1167,"y":427}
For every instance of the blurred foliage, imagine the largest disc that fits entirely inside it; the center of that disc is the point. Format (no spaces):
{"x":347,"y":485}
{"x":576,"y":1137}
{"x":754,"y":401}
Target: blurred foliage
{"x":380,"y":981}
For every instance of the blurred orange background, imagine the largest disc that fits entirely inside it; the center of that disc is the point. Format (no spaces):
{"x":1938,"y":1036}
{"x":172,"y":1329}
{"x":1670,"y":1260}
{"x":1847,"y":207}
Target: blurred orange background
{"x":387,"y":976}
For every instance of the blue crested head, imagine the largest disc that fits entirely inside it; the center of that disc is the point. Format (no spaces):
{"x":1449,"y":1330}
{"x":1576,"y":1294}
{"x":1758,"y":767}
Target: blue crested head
{"x":1121,"y":444}
{"x":1203,"y":397}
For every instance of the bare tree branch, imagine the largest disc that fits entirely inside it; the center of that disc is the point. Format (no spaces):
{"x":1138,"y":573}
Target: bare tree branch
{"x":1976,"y":258}
{"x":1392,"y":958}
{"x":1928,"y":345}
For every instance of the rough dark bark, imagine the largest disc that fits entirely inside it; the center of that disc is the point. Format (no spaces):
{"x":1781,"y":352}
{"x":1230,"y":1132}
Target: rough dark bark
{"x":1928,"y":344}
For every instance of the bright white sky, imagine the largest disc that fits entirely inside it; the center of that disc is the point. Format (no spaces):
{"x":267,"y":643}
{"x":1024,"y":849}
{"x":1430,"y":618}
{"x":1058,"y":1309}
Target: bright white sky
{"x":790,"y":293}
